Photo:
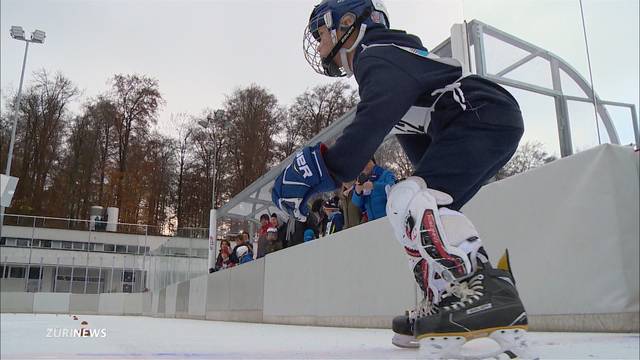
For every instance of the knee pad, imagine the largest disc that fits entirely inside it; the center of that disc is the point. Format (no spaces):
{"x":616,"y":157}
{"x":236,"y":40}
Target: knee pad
{"x":442,"y":244}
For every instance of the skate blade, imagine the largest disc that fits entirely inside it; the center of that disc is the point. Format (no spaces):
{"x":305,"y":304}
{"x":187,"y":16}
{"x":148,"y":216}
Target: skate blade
{"x":405,"y":341}
{"x":510,"y":343}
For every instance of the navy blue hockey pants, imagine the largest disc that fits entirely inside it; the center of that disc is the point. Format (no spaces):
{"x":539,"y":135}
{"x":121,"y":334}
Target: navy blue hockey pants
{"x":463,"y":149}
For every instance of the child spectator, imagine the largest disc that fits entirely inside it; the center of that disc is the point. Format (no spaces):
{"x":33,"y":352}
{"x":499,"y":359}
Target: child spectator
{"x":317,"y":219}
{"x":244,"y":254}
{"x":273,"y":243}
{"x":240,"y":242}
{"x":371,"y":190}
{"x":334,"y":216}
{"x":309,"y":235}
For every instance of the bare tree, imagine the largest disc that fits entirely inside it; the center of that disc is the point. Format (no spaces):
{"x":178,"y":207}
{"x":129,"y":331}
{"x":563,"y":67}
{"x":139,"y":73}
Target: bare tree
{"x":184,"y":153}
{"x":137,"y":99}
{"x":42,"y":121}
{"x":390,"y":155}
{"x":528,"y":156}
{"x":254,"y":120}
{"x":158,"y":177}
{"x":313,"y":111}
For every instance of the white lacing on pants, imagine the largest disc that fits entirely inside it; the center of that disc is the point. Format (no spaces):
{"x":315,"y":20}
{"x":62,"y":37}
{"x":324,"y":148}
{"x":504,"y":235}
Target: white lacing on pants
{"x":458,"y":95}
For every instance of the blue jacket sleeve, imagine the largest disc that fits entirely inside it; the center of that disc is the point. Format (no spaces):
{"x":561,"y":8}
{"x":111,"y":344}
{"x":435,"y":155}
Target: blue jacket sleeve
{"x":338,"y":222}
{"x":386,"y":94}
{"x":357,"y":200}
{"x":387,"y":178}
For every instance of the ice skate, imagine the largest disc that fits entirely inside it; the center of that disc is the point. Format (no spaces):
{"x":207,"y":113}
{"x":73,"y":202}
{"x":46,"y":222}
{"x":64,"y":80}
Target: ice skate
{"x":488,"y":306}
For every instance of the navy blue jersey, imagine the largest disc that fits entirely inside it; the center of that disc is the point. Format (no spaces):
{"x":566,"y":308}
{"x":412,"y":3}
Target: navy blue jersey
{"x":390,"y":81}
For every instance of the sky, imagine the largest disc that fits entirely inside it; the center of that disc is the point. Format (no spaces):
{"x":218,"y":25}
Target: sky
{"x":200,"y":51}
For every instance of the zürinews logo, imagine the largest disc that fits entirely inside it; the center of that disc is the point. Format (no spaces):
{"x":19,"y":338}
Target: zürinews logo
{"x":82,"y":331}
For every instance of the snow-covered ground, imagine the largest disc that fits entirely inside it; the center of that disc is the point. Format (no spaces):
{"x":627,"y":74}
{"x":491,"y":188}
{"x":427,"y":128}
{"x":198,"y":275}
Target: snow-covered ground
{"x":26,"y":336}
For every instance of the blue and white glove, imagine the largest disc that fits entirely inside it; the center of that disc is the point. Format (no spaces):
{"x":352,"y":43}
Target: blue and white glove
{"x":307,"y":175}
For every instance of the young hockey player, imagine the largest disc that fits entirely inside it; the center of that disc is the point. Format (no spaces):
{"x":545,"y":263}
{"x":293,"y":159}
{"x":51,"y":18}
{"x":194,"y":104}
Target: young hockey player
{"x":474,"y":129}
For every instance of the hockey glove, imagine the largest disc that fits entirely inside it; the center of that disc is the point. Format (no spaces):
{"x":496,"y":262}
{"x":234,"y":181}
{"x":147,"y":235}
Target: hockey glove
{"x":306,"y":176}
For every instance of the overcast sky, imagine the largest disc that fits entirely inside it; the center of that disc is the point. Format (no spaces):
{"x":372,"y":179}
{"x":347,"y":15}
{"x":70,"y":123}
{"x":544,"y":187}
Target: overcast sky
{"x":202,"y":50}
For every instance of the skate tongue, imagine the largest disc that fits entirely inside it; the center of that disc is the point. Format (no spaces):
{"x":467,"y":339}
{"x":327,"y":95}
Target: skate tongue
{"x":504,"y":263}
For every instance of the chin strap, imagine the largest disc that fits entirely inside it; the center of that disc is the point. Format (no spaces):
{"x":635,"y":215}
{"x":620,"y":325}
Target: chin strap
{"x":330,"y":67}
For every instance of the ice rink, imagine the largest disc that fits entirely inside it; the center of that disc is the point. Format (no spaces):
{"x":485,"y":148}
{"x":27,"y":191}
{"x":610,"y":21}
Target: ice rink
{"x":27,"y":336}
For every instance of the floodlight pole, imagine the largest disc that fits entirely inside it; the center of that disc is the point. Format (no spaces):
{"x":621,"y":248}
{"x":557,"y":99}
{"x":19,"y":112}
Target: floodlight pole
{"x":16,"y":106}
{"x":15,"y":111}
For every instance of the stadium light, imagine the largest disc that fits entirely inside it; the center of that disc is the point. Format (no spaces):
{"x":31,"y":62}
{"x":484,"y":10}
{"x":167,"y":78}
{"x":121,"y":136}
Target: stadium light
{"x":38,"y":36}
{"x":17,"y":32}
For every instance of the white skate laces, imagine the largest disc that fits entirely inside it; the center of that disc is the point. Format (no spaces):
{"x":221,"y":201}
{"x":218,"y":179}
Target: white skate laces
{"x":468,"y":292}
{"x":425,"y":308}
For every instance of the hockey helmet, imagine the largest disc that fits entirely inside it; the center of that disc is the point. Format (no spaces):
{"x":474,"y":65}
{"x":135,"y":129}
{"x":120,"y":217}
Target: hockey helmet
{"x":366,"y":14}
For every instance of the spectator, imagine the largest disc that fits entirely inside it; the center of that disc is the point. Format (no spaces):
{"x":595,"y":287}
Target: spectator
{"x":240,"y":242}
{"x":273,"y":243}
{"x":224,"y":256}
{"x":297,"y":234}
{"x":244,"y":254}
{"x":246,"y":239}
{"x":352,"y":213}
{"x":370,"y":193}
{"x":264,"y":224}
{"x":262,"y":236}
{"x":309,"y":235}
{"x":317,"y":219}
{"x":334,"y":216}
{"x":282,"y":229}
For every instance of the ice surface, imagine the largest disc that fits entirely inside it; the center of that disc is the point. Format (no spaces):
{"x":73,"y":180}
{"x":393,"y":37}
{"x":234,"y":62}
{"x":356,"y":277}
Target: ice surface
{"x":24,"y":336}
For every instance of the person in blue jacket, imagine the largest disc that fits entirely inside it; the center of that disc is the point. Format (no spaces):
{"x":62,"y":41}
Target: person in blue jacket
{"x":371,"y":188}
{"x":334,"y":215}
{"x":473,"y":128}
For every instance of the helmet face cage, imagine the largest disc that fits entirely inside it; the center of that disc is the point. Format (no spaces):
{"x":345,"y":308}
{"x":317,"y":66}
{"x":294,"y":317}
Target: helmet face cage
{"x":311,"y":42}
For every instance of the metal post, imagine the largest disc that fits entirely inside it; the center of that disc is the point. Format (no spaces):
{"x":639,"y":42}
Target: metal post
{"x":189,"y":259}
{"x":99,"y":275}
{"x":6,"y":267}
{"x":40,"y":273}
{"x":33,"y":229}
{"x":55,"y":279}
{"x":124,"y":266}
{"x":73,"y":265}
{"x":144,"y":250}
{"x":86,"y":270}
{"x":634,"y":119}
{"x":113,"y":264}
{"x":15,"y":113}
{"x":212,"y":214}
{"x":479,"y":51}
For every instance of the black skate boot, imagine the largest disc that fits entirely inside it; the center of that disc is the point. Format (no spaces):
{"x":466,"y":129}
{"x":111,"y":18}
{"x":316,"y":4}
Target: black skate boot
{"x":488,"y":306}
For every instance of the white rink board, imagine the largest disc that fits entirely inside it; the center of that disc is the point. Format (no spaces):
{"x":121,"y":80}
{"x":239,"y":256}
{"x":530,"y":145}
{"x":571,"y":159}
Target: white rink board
{"x":53,"y":303}
{"x":358,"y":276}
{"x":572,"y":231}
{"x":134,"y":337}
{"x":197,"y":297}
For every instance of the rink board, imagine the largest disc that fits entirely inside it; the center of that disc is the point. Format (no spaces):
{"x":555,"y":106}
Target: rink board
{"x":572,"y":231}
{"x":84,"y":303}
{"x":51,"y":303}
{"x":340,"y":280}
